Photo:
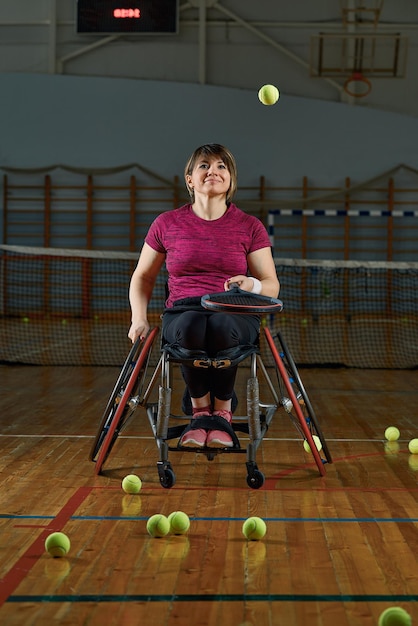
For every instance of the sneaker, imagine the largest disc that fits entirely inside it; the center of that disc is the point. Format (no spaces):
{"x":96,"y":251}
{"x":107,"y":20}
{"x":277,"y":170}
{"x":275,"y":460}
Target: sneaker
{"x":220,"y":438}
{"x":195,"y":438}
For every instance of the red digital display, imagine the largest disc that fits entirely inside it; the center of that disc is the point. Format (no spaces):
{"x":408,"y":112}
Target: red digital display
{"x":123,"y":13}
{"x":127,"y":16}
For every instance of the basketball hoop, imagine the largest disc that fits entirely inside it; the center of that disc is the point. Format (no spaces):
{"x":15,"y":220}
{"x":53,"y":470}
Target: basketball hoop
{"x":357,"y":78}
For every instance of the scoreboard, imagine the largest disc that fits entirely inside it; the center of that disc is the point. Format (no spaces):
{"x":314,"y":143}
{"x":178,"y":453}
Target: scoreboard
{"x":126,"y":16}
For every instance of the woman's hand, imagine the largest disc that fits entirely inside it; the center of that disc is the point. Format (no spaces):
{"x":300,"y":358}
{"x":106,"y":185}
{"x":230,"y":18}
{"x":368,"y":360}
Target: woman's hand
{"x":245,"y":283}
{"x":139,"y":328}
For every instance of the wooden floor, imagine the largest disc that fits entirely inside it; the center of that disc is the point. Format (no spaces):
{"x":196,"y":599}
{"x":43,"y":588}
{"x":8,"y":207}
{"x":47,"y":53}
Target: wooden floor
{"x":338,"y":550}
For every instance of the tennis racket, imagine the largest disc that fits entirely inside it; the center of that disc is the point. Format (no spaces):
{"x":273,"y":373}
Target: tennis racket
{"x":237,"y":300}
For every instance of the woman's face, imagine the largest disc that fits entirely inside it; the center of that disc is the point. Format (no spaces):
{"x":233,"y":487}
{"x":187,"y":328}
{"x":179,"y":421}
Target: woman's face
{"x":210,"y":177}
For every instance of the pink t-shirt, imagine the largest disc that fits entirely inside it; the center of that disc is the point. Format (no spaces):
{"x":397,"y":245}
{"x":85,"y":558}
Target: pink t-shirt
{"x":202,"y":254}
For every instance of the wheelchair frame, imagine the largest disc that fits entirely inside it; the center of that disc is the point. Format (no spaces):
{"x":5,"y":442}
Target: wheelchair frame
{"x":134,"y":386}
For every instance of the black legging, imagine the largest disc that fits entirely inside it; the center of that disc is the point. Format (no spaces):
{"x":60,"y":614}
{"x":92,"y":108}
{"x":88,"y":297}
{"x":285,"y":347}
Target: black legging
{"x":211,"y":332}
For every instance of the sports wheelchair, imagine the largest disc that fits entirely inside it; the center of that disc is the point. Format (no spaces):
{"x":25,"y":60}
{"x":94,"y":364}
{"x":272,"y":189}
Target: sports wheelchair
{"x":138,"y":379}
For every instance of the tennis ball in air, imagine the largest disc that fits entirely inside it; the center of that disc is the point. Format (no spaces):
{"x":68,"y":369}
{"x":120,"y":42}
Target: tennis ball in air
{"x":268,"y":94}
{"x":57,"y":544}
{"x":395,"y":616}
{"x":392,"y":433}
{"x":317,"y":442}
{"x":179,"y":522}
{"x":158,"y":525}
{"x":131,"y":484}
{"x":413,"y":446}
{"x":254,"y":528}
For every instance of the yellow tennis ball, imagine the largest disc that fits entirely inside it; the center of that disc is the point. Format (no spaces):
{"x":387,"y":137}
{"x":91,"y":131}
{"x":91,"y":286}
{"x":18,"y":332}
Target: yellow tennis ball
{"x":268,"y":94}
{"x":158,"y":525}
{"x":392,"y":433}
{"x":131,"y":484}
{"x":413,"y":446}
{"x":57,"y":544}
{"x":395,"y":616}
{"x":254,"y":528}
{"x":317,"y":442}
{"x":179,"y":522}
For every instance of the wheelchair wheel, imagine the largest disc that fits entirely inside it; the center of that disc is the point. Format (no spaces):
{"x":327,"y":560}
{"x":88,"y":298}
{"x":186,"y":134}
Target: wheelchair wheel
{"x":302,"y":397}
{"x":125,"y":397}
{"x":255,"y":478}
{"x":114,"y":400}
{"x":295,"y":400}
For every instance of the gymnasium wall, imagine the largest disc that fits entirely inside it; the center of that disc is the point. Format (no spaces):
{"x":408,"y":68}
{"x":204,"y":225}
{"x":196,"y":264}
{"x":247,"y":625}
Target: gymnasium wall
{"x":93,"y":122}
{"x":104,"y":122}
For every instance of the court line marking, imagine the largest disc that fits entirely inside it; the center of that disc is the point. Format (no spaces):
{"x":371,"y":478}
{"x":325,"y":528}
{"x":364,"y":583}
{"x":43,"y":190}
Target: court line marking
{"x":150,"y":437}
{"x":412,"y":520}
{"x":24,"y":564}
{"x":200,"y":597}
{"x":345,"y":520}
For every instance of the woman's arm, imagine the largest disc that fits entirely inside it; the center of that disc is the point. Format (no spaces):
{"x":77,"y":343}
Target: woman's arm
{"x":140,"y":290}
{"x":261,"y":266}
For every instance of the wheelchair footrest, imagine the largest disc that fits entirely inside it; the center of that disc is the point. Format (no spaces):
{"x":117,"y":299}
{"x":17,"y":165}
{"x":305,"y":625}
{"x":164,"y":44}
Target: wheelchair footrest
{"x":211,"y":422}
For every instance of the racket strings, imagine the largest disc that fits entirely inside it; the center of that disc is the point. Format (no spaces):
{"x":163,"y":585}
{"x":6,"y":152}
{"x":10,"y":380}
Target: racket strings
{"x":236,"y":300}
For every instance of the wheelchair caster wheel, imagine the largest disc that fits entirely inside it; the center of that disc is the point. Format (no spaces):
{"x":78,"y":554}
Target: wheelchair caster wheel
{"x":167,"y":478}
{"x":255,"y":480}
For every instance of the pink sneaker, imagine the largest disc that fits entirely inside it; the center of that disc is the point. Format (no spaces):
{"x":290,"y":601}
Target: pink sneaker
{"x":220,"y":438}
{"x":195,"y":438}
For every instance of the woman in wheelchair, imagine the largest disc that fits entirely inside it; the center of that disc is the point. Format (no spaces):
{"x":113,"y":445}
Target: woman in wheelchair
{"x":207,"y":245}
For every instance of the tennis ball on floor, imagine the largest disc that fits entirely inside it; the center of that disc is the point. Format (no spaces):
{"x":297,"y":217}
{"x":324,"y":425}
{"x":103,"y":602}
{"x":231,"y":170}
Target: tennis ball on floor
{"x":268,"y":94}
{"x":317,"y":442}
{"x":395,"y":616}
{"x":254,"y":528}
{"x":392,"y":433}
{"x":57,"y":544}
{"x":158,"y":525}
{"x":179,"y":522}
{"x":131,"y":484}
{"x":413,"y":446}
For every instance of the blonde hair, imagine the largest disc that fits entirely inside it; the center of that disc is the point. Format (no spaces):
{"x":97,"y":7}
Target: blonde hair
{"x":210,"y":150}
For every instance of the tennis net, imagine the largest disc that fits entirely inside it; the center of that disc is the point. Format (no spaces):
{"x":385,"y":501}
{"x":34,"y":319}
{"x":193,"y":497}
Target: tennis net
{"x":67,"y":306}
{"x":71,"y":307}
{"x":352,"y":313}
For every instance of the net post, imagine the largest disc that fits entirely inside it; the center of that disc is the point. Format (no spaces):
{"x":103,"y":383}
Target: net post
{"x":305,"y":193}
{"x":347,"y":203}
